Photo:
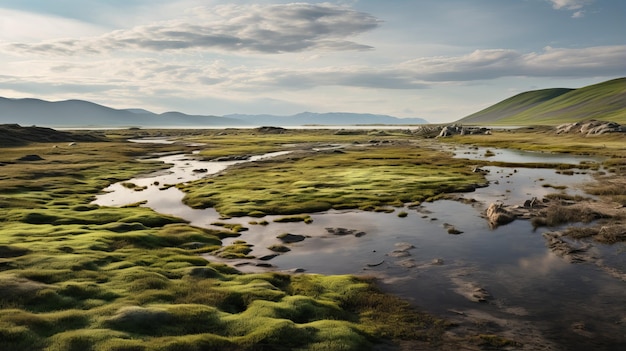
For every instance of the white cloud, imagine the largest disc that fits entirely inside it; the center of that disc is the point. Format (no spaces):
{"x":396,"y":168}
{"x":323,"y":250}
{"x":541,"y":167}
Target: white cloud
{"x":199,"y":78}
{"x":236,"y":28}
{"x":578,"y":14}
{"x":570,"y":4}
{"x":22,"y":26}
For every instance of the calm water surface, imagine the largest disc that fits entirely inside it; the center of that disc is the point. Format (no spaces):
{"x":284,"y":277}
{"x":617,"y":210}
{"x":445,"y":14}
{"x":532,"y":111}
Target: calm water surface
{"x":533,"y":295}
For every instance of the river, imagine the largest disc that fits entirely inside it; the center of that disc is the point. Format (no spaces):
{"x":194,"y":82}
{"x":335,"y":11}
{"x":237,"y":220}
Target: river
{"x":527,"y":292}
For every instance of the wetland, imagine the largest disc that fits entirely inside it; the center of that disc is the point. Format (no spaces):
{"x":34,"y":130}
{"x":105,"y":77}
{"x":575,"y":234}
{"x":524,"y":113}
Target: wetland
{"x":312,"y":239}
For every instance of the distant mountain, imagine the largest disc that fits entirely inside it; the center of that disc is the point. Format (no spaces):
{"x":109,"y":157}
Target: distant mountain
{"x":78,"y":113}
{"x":604,"y":101}
{"x":332,"y":118}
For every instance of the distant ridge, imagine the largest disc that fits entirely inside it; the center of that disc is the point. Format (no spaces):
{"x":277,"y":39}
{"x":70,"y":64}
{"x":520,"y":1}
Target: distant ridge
{"x":85,"y":114}
{"x":331,"y":118}
{"x":79,"y":113}
{"x":603,"y":101}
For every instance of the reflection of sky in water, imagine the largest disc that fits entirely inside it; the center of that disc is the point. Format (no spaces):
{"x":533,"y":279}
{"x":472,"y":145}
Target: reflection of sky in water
{"x":511,"y":262}
{"x":519,"y":156}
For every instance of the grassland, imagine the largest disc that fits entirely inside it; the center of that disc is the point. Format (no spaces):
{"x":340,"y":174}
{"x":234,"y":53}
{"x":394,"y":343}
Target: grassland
{"x":368,"y":179}
{"x":604,"y":101}
{"x":76,"y":276}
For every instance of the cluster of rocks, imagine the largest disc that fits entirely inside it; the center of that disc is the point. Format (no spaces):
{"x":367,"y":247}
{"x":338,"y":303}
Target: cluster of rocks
{"x":499,"y":214}
{"x":592,"y":127}
{"x":457,"y":129}
{"x":345,"y":231}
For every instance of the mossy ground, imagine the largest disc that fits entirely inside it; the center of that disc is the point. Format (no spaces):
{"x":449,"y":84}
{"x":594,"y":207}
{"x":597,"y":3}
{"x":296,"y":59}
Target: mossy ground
{"x":364,"y":177}
{"x":76,"y":276}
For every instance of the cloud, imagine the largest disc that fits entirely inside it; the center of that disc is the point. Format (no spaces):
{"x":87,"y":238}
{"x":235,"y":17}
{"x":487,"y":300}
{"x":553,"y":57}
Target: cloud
{"x":267,"y":29}
{"x":496,"y":63}
{"x":426,"y":72}
{"x":569,"y":4}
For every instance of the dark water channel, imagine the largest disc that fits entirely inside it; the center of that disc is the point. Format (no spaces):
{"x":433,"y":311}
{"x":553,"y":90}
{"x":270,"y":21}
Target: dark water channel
{"x":530,"y":294}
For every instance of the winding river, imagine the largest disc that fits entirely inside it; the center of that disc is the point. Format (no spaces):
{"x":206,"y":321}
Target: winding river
{"x":502,"y":280}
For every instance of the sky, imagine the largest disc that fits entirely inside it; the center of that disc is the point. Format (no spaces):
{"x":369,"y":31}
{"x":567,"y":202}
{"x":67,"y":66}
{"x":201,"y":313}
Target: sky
{"x":440,"y":60}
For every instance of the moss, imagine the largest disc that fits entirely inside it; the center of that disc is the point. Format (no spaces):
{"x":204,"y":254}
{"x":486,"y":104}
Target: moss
{"x":77,"y":276}
{"x":358,"y":178}
{"x":300,"y":218}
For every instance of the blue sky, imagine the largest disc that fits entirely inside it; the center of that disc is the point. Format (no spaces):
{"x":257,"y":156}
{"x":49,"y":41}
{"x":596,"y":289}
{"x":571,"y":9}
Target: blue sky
{"x":435,"y":59}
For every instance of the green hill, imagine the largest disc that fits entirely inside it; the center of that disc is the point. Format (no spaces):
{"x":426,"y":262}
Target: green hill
{"x":603,"y":101}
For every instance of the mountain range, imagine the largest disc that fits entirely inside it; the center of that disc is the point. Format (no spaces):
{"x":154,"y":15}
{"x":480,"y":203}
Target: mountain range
{"x":79,"y":113}
{"x":603,"y":101}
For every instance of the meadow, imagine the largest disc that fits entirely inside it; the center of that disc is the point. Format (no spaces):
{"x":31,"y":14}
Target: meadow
{"x":78,"y":276}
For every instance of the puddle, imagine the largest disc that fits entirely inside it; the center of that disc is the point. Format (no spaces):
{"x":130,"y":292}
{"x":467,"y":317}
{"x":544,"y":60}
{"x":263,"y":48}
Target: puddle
{"x":531,"y":293}
{"x":518,"y":156}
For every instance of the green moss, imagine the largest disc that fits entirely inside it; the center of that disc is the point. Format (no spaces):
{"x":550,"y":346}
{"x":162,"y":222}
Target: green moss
{"x":76,"y":276}
{"x":365,"y":178}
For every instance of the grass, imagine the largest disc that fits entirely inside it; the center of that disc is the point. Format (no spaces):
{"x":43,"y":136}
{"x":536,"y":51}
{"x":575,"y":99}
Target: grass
{"x":76,"y":276}
{"x":603,"y":101}
{"x":368,"y":178}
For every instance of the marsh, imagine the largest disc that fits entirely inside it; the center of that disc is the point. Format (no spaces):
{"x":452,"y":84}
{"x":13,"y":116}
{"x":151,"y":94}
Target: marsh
{"x":505,"y":277}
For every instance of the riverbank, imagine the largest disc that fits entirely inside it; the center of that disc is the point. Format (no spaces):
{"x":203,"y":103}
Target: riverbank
{"x":85,"y":267}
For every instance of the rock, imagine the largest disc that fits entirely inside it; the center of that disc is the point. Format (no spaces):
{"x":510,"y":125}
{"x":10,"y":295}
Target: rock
{"x":437,"y":262}
{"x":591,"y":127}
{"x":455,"y":129}
{"x":402,"y":250}
{"x":344,"y":231}
{"x":200,"y":170}
{"x":30,"y":158}
{"x":279,"y":248}
{"x":271,"y":130}
{"x":399,"y":253}
{"x":498,"y":215}
{"x":267,"y":257}
{"x":408,"y":263}
{"x":452,"y":229}
{"x":375,"y":264}
{"x":291,"y":238}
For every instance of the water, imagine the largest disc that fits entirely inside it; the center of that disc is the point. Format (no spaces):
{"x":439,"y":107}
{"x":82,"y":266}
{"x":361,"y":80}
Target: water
{"x":534,"y":296}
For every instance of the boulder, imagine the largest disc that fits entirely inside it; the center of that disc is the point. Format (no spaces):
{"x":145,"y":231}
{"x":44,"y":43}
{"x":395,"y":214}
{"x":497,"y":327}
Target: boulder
{"x":30,"y":158}
{"x":498,"y":215}
{"x":291,"y":238}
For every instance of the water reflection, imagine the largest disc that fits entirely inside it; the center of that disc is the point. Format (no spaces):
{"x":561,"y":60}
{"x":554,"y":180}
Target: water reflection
{"x":527,"y":284}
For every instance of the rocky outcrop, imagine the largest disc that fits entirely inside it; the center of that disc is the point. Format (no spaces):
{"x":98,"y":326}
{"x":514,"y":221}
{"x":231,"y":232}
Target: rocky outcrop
{"x":498,"y":215}
{"x":456,"y":129}
{"x":591,"y":127}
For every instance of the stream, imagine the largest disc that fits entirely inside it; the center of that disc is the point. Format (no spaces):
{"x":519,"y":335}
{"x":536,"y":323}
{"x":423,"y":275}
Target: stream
{"x":503,"y":280}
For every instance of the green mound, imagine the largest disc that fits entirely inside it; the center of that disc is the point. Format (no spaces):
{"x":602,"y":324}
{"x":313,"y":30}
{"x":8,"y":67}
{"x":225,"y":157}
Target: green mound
{"x":604,"y":101}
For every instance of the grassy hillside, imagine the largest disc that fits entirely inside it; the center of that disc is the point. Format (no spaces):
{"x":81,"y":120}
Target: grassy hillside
{"x":603,"y":101}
